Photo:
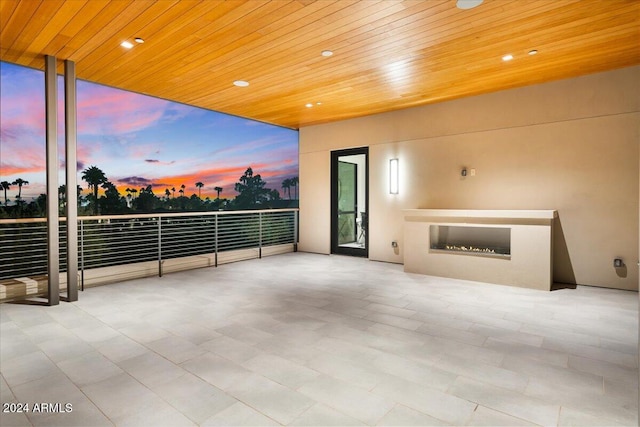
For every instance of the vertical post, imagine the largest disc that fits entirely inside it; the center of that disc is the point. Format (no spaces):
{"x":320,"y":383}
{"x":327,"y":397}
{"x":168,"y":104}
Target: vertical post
{"x":82,"y":253}
{"x":216,"y":241}
{"x":295,"y":231}
{"x":160,"y":246}
{"x":260,"y":235}
{"x":53,"y":222}
{"x":70,"y":115}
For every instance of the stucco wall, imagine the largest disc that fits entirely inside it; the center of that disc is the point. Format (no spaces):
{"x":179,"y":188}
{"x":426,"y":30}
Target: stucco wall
{"x":570,"y":145}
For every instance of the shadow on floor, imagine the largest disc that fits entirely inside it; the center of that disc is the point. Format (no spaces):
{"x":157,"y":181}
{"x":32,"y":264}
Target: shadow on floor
{"x":557,"y":286}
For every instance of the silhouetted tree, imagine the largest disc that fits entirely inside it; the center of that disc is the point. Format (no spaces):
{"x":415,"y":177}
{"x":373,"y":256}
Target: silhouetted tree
{"x":112,"y":202}
{"x":274,"y":194}
{"x":251,"y":190}
{"x":147,"y":201}
{"x":20,"y":182}
{"x":5,"y":185}
{"x":294,"y":184}
{"x":218,"y":191}
{"x":199,"y":185}
{"x":286,"y":185}
{"x":62,"y":198}
{"x":94,"y":177}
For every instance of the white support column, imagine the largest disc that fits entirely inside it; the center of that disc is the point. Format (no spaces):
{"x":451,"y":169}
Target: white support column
{"x":70,"y":115}
{"x":53,"y":233}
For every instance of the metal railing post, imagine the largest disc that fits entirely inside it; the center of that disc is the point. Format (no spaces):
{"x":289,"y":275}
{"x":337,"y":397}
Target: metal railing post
{"x":215,"y":249}
{"x":160,"y":246}
{"x":260,"y":235}
{"x":82,"y":255}
{"x":295,"y":231}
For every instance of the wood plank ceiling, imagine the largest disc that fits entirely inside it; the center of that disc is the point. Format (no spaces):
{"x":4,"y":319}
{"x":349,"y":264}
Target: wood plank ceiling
{"x":387,"y":54}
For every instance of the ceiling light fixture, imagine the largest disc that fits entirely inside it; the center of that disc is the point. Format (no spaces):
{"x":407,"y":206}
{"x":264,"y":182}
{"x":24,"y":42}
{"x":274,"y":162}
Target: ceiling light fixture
{"x":241,"y":83}
{"x":139,"y":40}
{"x":318,"y":103}
{"x":327,"y":53}
{"x":533,"y":52}
{"x":309,"y":105}
{"x":508,"y":57}
{"x":468,"y":4}
{"x":126,"y":45}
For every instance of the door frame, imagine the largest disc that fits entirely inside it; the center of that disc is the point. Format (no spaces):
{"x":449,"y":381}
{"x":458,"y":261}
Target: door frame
{"x":335,"y":248}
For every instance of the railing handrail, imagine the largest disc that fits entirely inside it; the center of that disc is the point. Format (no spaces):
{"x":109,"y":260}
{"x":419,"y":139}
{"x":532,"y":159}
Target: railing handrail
{"x":150,"y":215}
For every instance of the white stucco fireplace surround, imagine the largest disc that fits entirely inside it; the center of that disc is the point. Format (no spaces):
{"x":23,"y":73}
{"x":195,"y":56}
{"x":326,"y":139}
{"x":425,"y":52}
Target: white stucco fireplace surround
{"x":507,"y":247}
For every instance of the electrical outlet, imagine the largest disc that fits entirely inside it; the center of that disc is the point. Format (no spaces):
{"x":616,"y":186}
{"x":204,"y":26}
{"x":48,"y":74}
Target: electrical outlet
{"x":473,"y":172}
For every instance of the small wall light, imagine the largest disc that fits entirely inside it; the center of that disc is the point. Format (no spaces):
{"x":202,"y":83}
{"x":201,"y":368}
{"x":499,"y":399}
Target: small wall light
{"x":393,"y":176}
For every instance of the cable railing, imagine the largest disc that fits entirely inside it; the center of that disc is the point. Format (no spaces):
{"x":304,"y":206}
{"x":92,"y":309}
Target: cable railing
{"x":119,"y":240}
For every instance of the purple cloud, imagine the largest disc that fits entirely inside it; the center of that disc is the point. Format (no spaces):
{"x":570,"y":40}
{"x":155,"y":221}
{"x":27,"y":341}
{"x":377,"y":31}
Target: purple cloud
{"x":135,"y":180}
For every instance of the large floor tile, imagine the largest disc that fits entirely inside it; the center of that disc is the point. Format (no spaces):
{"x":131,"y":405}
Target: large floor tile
{"x":304,"y":339}
{"x":484,"y":416}
{"x":322,"y":415}
{"x":432,"y":402}
{"x":270,"y":398}
{"x":348,"y":399}
{"x":216,"y":370}
{"x":530,"y":409}
{"x":401,"y":415}
{"x":281,"y":370}
{"x":240,"y":415}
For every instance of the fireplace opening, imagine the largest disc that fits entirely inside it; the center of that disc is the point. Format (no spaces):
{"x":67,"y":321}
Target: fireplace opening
{"x":467,"y":240}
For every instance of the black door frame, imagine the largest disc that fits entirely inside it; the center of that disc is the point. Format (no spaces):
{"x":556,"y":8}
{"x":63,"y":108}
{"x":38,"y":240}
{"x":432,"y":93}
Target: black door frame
{"x":335,"y":248}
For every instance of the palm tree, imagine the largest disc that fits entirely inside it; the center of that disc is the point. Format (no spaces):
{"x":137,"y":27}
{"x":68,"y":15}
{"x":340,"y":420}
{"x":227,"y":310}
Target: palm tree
{"x":94,"y":177}
{"x":19,"y":182}
{"x":167,"y":193}
{"x":199,"y":185}
{"x":294,"y":183}
{"x":286,"y":185}
{"x":62,"y":196}
{"x":173,"y":190}
{"x":181,"y":191}
{"x":5,"y":185}
{"x":134,"y":192}
{"x":218,"y":190}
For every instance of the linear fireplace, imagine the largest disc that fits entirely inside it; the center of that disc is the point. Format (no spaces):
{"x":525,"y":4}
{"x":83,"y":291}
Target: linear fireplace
{"x":471,"y":240}
{"x":509,"y":247}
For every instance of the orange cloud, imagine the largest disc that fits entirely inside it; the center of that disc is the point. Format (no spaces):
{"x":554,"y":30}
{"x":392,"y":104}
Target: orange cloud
{"x":9,"y":170}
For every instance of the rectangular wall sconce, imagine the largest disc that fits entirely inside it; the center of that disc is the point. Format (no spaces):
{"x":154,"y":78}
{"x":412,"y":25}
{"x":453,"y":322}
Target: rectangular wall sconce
{"x":393,"y":176}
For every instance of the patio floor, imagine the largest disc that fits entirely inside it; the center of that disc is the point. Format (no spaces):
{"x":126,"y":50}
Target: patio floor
{"x":305,"y":339}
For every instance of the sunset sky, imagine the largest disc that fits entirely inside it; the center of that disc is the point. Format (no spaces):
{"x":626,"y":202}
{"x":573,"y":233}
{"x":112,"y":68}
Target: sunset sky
{"x":137,"y":140}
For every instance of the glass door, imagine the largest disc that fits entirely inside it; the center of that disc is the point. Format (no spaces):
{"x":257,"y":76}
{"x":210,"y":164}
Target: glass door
{"x":349,"y":206}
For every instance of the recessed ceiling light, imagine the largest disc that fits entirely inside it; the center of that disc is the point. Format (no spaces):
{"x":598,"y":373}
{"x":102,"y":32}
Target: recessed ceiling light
{"x":126,"y":45}
{"x":309,"y":105}
{"x":533,"y":52}
{"x":508,"y":57}
{"x":318,"y":103}
{"x":468,"y":4}
{"x":327,"y":53}
{"x":139,"y":40}
{"x":241,"y":83}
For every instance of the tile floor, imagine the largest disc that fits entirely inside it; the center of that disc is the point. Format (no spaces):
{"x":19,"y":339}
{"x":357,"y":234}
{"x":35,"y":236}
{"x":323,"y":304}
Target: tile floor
{"x":314,"y":340}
